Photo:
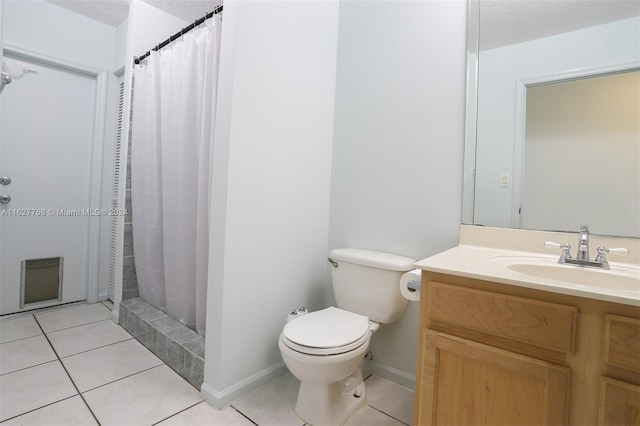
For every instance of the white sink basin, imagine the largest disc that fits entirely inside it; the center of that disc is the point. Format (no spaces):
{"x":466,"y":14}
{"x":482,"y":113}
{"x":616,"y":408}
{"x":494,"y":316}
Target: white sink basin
{"x":618,"y":277}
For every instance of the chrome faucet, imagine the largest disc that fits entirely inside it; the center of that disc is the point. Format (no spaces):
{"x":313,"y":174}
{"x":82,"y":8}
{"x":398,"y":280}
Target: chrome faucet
{"x":583,"y":244}
{"x":582,"y":257}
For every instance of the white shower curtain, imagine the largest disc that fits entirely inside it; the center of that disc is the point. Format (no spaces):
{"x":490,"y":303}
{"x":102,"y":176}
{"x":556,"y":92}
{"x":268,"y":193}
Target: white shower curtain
{"x":174,"y":102}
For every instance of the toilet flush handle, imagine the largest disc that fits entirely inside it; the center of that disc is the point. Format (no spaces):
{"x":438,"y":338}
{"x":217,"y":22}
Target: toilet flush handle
{"x":332,"y":262}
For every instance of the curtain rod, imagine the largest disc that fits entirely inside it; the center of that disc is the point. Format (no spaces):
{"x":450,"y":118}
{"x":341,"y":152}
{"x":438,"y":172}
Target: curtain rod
{"x":179,"y":34}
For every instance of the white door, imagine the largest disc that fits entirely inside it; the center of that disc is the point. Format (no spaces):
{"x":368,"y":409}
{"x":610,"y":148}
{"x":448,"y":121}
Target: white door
{"x":46,"y":138}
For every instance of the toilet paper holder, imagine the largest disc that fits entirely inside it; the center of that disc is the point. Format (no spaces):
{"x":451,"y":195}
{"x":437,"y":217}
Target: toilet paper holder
{"x":413,"y":285}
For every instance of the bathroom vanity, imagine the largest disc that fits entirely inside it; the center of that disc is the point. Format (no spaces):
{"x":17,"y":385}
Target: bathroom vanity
{"x":508,"y":336}
{"x":500,"y":346}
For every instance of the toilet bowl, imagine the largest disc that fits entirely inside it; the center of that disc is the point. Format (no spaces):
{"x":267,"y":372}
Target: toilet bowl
{"x":325,"y":351}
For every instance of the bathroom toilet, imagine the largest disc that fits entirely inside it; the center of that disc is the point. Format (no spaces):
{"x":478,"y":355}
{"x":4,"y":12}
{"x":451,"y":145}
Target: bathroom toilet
{"x":325,"y":349}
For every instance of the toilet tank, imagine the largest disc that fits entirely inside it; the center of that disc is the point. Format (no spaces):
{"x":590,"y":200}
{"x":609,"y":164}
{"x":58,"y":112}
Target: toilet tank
{"x":368,"y":282}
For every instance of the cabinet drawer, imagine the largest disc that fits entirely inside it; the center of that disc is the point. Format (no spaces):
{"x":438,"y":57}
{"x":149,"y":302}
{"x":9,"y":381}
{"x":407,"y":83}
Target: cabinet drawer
{"x":622,"y":342}
{"x":547,"y":325}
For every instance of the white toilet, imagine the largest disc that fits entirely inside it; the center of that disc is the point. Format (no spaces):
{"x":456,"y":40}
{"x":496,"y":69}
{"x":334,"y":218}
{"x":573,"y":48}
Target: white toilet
{"x":325,"y":349}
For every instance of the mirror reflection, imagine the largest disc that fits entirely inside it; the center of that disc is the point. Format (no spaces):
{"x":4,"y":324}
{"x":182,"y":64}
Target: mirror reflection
{"x":581,"y":143}
{"x":556,"y":146}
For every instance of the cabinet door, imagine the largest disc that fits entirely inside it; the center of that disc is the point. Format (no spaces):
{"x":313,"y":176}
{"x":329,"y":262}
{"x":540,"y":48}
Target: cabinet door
{"x":619,"y":403}
{"x":467,"y":383}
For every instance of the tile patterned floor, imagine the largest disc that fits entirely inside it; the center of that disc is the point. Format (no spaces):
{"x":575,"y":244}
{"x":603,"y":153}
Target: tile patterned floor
{"x":73,"y":366}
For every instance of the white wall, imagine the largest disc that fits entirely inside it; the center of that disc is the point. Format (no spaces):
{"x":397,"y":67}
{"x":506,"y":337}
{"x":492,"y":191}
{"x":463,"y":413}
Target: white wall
{"x":499,"y":69}
{"x":120,"y":53}
{"x":271,"y":184}
{"x":42,"y":27}
{"x":1,"y":23}
{"x":148,"y":26}
{"x":398,"y":143}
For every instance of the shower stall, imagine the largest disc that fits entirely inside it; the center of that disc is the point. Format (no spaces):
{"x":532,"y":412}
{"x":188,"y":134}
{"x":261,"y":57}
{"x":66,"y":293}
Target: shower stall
{"x":173,"y":115}
{"x":171,"y":142}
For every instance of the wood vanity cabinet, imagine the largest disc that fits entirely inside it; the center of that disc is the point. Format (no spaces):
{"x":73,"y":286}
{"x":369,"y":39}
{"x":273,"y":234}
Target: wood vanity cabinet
{"x":494,"y":354}
{"x":620,"y":400}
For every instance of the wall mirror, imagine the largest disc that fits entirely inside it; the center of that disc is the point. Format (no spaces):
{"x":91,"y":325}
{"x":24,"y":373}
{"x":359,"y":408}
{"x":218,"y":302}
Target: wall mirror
{"x":553,"y":116}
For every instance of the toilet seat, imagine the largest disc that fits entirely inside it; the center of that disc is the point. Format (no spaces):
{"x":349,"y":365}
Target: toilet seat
{"x":329,"y":331}
{"x":308,"y":350}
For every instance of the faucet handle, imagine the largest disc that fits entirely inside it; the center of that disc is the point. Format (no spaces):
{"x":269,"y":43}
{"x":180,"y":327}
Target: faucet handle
{"x":566,"y":249}
{"x":602,"y":250}
{"x":620,"y":251}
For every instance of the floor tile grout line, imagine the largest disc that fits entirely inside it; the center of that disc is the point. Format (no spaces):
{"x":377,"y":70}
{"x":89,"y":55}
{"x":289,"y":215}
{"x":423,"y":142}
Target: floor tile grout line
{"x":122,"y":378}
{"x":93,"y":349}
{"x":22,"y":338}
{"x":26,"y":368}
{"x":43,"y":310}
{"x":76,"y":326}
{"x":377,"y":409}
{"x":243,"y":415}
{"x":36,"y":409}
{"x":177,"y":412}
{"x":387,"y":414}
{"x":67,"y":372}
{"x":62,"y":307}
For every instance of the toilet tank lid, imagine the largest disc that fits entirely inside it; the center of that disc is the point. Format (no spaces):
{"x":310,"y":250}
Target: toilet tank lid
{"x":374,"y":259}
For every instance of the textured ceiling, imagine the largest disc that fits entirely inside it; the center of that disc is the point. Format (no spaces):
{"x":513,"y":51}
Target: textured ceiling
{"x":189,"y":10}
{"x":504,"y":22}
{"x":114,"y":12}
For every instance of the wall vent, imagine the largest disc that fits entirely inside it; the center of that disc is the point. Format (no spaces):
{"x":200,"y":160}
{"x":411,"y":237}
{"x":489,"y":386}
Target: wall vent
{"x":113,"y":240}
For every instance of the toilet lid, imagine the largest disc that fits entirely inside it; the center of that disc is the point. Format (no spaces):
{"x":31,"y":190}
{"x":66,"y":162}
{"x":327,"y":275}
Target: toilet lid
{"x":328,"y":328}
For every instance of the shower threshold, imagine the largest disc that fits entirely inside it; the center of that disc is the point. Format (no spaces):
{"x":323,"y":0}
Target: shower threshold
{"x":174,"y":343}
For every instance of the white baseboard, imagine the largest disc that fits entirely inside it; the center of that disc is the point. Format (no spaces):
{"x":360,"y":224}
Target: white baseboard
{"x":115,"y":316}
{"x":219,"y":399}
{"x":391,"y":373}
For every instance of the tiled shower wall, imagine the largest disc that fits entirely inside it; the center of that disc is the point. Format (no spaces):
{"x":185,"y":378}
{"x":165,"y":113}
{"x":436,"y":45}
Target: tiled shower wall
{"x":129,"y":279}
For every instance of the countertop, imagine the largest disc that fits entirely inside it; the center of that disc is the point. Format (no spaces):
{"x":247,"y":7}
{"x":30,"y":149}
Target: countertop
{"x":481,"y":255}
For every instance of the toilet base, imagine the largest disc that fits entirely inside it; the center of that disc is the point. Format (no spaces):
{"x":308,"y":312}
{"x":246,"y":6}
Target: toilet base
{"x":320,"y":404}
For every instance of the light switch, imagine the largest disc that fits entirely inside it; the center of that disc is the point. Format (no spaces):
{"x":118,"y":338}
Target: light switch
{"x":505,"y":179}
